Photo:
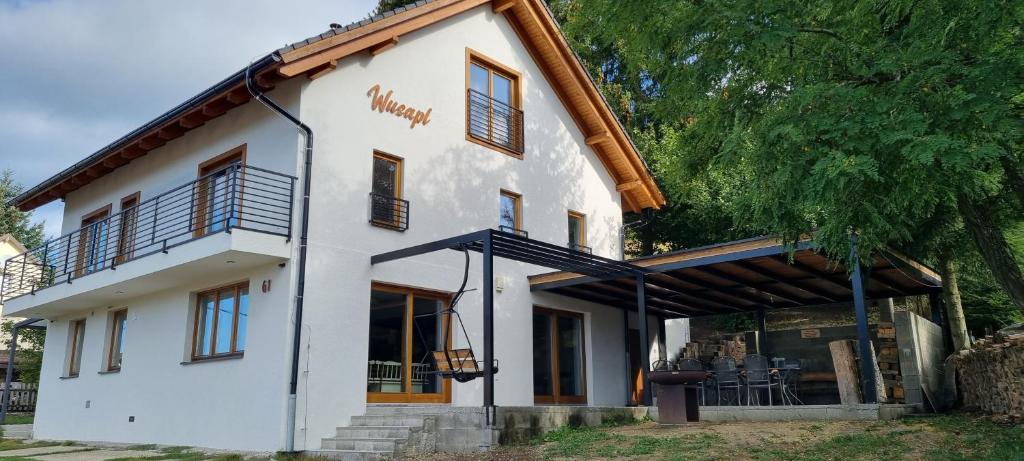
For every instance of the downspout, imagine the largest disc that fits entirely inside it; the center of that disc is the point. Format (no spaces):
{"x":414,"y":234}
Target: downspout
{"x":300,"y":290}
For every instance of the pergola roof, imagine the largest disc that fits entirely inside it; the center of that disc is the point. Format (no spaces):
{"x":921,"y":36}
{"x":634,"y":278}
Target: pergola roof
{"x":743,"y":276}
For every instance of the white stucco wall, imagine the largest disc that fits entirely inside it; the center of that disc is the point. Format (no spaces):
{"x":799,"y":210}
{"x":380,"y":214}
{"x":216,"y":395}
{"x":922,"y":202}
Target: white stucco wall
{"x":236,"y":403}
{"x":453,"y":187}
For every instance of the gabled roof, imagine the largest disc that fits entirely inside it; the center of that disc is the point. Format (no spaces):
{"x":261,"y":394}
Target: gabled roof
{"x":532,"y":21}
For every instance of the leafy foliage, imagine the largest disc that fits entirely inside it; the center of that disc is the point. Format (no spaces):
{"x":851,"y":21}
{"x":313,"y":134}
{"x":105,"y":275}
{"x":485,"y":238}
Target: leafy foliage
{"x":29,"y":356}
{"x":13,"y":221}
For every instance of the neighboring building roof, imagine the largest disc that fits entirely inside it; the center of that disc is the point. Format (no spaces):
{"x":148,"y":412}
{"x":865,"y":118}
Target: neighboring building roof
{"x":10,"y":240}
{"x":532,"y":21}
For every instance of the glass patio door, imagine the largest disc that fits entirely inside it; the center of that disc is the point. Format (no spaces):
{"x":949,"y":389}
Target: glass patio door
{"x":404,"y":332}
{"x":559,"y":372}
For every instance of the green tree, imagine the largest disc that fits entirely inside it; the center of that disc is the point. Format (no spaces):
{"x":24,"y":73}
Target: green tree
{"x":13,"y":221}
{"x":871,"y":117}
{"x":388,"y":5}
{"x":29,"y":357}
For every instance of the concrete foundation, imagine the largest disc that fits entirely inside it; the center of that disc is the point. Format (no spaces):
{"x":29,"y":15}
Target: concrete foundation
{"x":520,"y":424}
{"x":862,"y":412}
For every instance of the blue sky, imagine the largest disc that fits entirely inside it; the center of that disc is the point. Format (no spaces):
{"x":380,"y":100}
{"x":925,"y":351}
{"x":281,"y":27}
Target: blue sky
{"x":78,"y":75}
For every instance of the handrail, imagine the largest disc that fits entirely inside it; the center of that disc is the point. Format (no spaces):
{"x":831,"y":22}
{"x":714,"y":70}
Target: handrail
{"x":235,"y":197}
{"x":493,"y":121}
{"x":388,"y":212}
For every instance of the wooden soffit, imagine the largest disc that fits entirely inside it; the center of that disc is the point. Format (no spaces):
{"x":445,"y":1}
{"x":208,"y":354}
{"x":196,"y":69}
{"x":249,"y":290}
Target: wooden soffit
{"x":539,"y":32}
{"x":153,"y":135}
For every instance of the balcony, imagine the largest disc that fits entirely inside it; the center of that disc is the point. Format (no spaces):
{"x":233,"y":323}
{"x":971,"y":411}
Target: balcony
{"x":514,"y":231}
{"x":580,"y":248}
{"x":494,"y":122}
{"x":236,"y":215}
{"x":389,"y":212}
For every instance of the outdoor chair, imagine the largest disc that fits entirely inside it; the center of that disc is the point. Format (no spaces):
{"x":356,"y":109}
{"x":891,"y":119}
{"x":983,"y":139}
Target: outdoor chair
{"x":726,"y":377}
{"x":757,"y":376}
{"x":693,"y":365}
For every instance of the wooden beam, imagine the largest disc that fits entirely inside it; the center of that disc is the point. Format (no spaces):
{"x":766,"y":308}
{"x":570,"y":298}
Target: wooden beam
{"x":381,"y":47}
{"x":151,"y":142}
{"x":800,"y":284}
{"x":133,"y":151}
{"x":320,"y":72}
{"x":631,"y":184}
{"x":239,"y":97}
{"x":500,"y":6}
{"x":598,"y":138}
{"x":771,"y":293}
{"x":170,"y":132}
{"x":193,"y":119}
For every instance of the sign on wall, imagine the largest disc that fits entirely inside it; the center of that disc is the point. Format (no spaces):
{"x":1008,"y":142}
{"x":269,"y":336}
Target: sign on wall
{"x":384,"y":104}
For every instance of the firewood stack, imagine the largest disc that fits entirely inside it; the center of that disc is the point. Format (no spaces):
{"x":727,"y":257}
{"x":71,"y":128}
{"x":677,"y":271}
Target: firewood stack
{"x":990,"y":376}
{"x":736,"y":347}
{"x":889,"y":362}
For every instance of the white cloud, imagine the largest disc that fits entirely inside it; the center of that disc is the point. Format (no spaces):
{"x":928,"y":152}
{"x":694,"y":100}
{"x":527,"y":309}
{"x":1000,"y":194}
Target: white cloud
{"x":78,"y":75}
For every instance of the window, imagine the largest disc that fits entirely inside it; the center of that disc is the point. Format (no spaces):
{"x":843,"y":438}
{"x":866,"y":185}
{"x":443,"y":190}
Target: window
{"x":119,"y":320}
{"x":75,"y":338}
{"x":578,"y":232}
{"x":222,"y":315}
{"x":127,"y":227}
{"x":387,"y":209}
{"x":218,"y":192}
{"x":559,"y":374}
{"x":510,"y":213}
{"x":93,"y":241}
{"x":493,"y":117}
{"x":406,"y":326}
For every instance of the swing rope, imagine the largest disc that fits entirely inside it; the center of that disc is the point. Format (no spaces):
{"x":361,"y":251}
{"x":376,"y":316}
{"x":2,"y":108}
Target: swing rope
{"x":456,"y":365}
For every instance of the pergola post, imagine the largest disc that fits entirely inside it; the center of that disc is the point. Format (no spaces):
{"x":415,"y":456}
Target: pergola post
{"x":10,"y":375}
{"x":762,"y":333}
{"x":645,"y":345}
{"x":629,"y":369}
{"x":867,"y":359}
{"x":488,"y":307}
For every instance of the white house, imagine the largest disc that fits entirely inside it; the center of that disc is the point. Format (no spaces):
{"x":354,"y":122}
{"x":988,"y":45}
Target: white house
{"x":190,"y":250}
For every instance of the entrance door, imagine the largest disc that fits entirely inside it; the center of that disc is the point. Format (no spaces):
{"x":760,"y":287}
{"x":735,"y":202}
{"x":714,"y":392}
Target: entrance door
{"x":559,"y":371}
{"x":636,"y":384}
{"x":404,"y":331}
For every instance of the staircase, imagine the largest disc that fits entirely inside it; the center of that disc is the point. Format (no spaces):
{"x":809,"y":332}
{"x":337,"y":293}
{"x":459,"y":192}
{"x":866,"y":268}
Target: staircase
{"x":389,"y":430}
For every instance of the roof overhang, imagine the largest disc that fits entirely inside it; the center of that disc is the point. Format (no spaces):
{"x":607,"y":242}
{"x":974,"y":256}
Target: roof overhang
{"x":193,"y":113}
{"x":539,"y":32}
{"x":747,"y":275}
{"x":313,"y":57}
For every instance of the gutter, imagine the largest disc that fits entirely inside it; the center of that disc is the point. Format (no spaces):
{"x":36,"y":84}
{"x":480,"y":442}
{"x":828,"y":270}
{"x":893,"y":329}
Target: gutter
{"x":300,"y":290}
{"x":166,"y":117}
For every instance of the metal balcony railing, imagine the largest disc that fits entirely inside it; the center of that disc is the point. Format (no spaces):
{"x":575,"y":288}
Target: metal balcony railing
{"x":512,"y":230}
{"x":580,"y":248}
{"x":236,"y":197}
{"x":389,"y":212}
{"x":494,"y":122}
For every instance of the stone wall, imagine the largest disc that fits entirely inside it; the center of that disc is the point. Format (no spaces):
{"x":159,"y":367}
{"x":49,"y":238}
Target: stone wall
{"x":990,"y":376}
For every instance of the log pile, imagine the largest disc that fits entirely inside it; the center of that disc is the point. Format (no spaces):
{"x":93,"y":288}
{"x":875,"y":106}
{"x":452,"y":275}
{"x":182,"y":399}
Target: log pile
{"x":889,"y":362}
{"x":735,"y":347}
{"x":990,"y":375}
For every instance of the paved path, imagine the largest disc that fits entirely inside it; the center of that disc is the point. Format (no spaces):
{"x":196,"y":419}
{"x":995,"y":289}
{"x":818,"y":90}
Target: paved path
{"x":34,"y":451}
{"x":98,"y":455}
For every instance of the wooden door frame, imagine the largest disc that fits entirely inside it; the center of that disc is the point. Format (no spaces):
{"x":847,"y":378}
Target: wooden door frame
{"x":208,"y":167}
{"x":557,"y":398}
{"x":128,"y":235}
{"x":408,"y":396}
{"x":84,"y":234}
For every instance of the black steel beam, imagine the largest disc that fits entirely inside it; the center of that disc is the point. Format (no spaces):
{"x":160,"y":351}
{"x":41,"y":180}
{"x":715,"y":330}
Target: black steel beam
{"x":443,"y":244}
{"x":867,"y":359}
{"x":645,"y":348}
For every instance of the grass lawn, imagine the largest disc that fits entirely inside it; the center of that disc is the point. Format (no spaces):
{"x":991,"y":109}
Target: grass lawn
{"x":942,"y":438}
{"x":19,"y":418}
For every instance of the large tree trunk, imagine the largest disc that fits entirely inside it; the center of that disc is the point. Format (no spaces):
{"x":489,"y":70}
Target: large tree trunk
{"x":1014,"y":177}
{"x":993,"y":248}
{"x":954,"y":308}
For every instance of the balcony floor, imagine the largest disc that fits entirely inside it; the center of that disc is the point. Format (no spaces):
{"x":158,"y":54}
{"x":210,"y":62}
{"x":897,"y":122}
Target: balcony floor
{"x":196,"y":260}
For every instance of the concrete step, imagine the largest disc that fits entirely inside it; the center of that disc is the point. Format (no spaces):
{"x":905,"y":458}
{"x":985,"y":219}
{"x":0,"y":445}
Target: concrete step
{"x":388,"y":420}
{"x":361,"y":432}
{"x":398,"y":409}
{"x":365,"y":444}
{"x":350,"y":455}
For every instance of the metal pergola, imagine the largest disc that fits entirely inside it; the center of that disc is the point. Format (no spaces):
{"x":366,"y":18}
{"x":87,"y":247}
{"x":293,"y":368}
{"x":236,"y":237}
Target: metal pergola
{"x":27,"y":324}
{"x":492,"y":243}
